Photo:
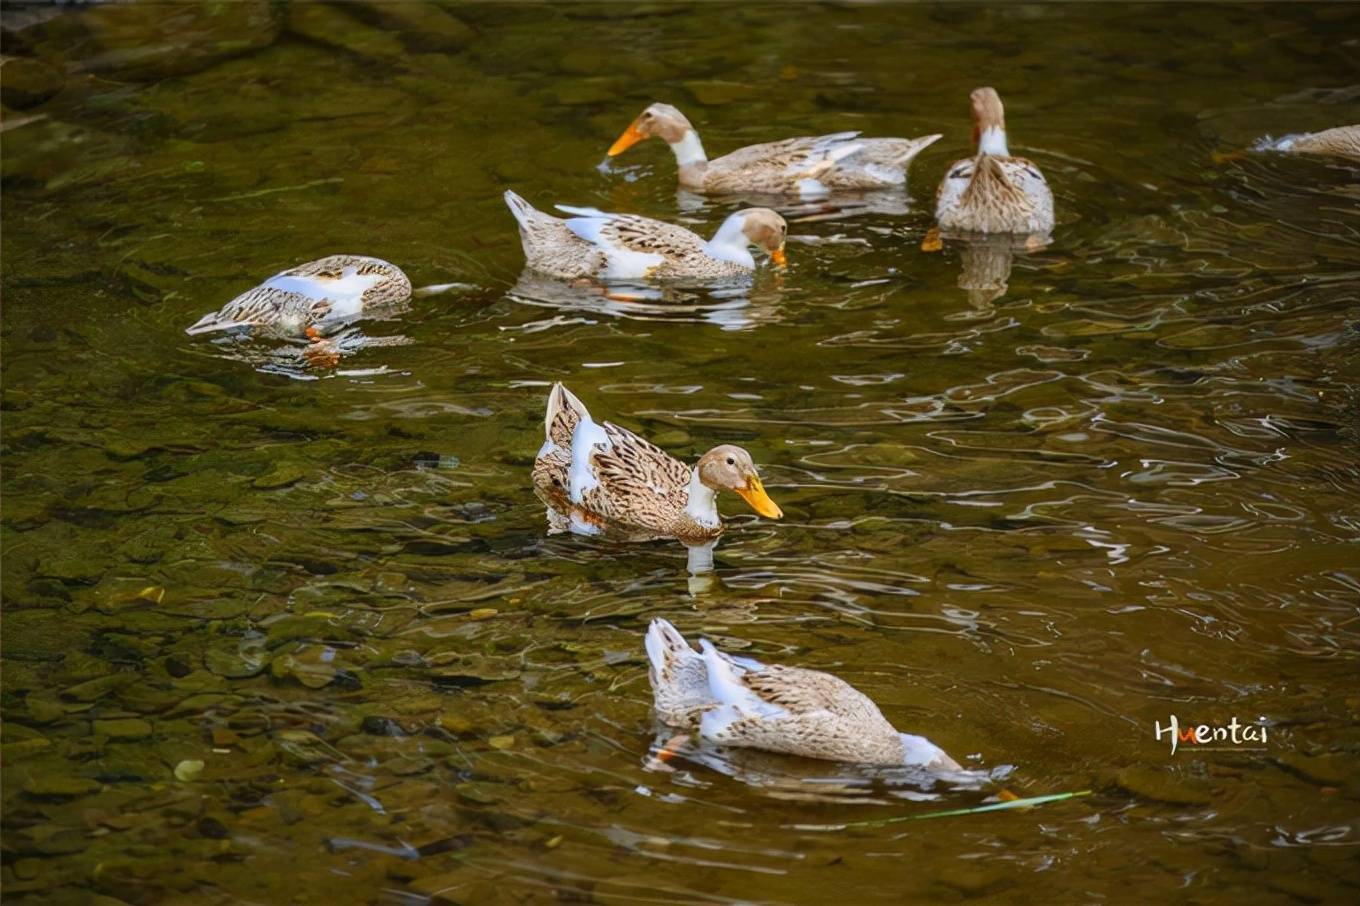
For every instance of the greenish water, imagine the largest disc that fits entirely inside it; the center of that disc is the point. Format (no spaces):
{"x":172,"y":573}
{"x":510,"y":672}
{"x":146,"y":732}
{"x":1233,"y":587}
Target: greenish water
{"x":1028,"y":521}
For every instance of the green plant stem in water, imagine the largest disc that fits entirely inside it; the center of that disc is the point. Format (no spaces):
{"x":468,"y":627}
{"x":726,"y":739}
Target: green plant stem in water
{"x":950,"y":813}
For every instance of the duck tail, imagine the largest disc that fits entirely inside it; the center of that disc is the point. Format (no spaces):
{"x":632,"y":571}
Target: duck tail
{"x":563,"y":414}
{"x":524,"y":212}
{"x":212,"y":323}
{"x":665,"y":646}
{"x":913,"y":146}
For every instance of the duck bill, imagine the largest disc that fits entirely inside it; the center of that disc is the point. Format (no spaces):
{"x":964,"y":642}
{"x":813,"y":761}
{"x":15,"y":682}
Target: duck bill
{"x":756,"y":498}
{"x":631,"y":136}
{"x":779,"y":258}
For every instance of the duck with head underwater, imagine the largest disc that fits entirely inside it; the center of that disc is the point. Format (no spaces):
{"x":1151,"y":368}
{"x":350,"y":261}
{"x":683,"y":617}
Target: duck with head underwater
{"x":741,"y":702}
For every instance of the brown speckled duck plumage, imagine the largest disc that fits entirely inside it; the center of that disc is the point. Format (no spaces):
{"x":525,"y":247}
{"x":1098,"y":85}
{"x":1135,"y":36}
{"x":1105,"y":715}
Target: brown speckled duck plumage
{"x":742,"y":702}
{"x":596,"y":244}
{"x":600,"y":479}
{"x":1340,"y":141}
{"x":807,"y":165}
{"x":334,"y":288}
{"x":993,"y":192}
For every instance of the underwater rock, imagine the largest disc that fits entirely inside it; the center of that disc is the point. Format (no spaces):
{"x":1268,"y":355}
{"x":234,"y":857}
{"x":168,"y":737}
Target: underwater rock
{"x":471,"y":670}
{"x":292,"y":628}
{"x":127,"y":728}
{"x":302,"y":748}
{"x":281,"y":476}
{"x":1328,"y":770}
{"x":1162,"y":786}
{"x":95,"y":689}
{"x":59,"y":787}
{"x":72,"y":569}
{"x":26,"y":82}
{"x":11,"y":752}
{"x":39,"y":634}
{"x":245,"y":658}
{"x":312,"y":666}
{"x":43,"y":707}
{"x":422,"y":26}
{"x":671,"y":438}
{"x":146,"y":41}
{"x":974,"y":878}
{"x":328,"y":25}
{"x":718,"y":93}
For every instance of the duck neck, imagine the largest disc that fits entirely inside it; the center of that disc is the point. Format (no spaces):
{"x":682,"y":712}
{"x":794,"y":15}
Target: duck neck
{"x":702,"y":505}
{"x":689,"y":150}
{"x":730,"y":242}
{"x":993,"y":141}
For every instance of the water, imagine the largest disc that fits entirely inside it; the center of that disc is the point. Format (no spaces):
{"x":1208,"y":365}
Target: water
{"x":1035,"y":501}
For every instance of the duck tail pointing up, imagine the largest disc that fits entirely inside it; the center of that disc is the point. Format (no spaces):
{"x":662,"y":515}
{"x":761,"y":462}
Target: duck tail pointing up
{"x":523,"y":211}
{"x":665,"y":645}
{"x":563,"y":414}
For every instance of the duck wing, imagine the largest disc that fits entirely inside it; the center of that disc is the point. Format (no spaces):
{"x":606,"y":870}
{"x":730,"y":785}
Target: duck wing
{"x":633,"y":246}
{"x":637,"y":484}
{"x":335,"y":286}
{"x":784,"y":163}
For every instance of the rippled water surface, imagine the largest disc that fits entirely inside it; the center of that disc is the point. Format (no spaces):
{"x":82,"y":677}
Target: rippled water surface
{"x":1035,"y":500}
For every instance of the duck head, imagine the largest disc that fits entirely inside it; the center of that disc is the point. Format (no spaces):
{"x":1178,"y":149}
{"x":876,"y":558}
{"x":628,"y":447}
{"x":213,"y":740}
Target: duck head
{"x":989,"y":122}
{"x":730,"y":468}
{"x":760,"y":227}
{"x":668,"y":124}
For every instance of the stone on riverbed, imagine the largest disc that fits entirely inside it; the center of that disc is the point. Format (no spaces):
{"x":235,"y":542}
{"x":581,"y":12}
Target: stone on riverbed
{"x":60,"y":786}
{"x":26,"y":82}
{"x":421,"y":26}
{"x":146,"y":41}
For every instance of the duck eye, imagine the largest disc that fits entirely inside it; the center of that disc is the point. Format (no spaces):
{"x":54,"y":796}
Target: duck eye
{"x":731,"y":461}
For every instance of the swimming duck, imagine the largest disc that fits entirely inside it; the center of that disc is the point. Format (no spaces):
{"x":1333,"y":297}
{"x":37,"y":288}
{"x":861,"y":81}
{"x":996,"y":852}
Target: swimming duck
{"x":628,"y":247}
{"x":811,"y":165}
{"x":600,"y":479}
{"x":335,"y":288}
{"x":993,"y":192}
{"x":1341,"y":141}
{"x":739,"y":701}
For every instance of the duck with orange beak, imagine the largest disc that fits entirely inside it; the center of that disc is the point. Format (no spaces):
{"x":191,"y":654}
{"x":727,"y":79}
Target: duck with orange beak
{"x":600,"y":479}
{"x":993,"y":192}
{"x":810,"y":166}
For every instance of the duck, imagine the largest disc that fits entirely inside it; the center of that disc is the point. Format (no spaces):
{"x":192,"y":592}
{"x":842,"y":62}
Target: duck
{"x":297,"y":301}
{"x":993,"y":192}
{"x":592,"y":243}
{"x":805,"y":166}
{"x":744,"y":703}
{"x":1340,"y":141}
{"x":600,"y":479}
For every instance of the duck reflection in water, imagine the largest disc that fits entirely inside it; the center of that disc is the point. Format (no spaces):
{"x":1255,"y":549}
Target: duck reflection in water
{"x":731,"y":304}
{"x":840,"y":206}
{"x":311,"y":357}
